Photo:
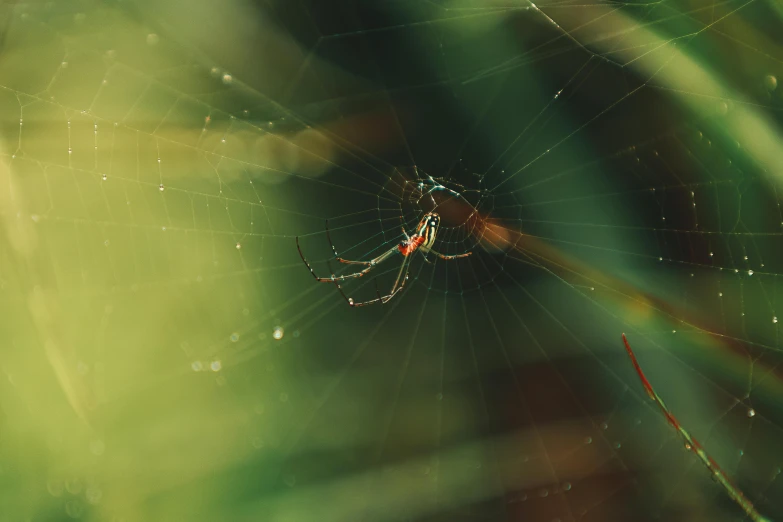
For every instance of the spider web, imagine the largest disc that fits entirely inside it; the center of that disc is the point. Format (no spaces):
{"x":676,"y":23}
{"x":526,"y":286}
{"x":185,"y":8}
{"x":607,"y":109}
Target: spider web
{"x":611,"y":166}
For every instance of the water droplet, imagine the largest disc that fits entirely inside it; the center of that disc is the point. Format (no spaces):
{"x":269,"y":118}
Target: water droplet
{"x":94,"y":495}
{"x":227,"y":79}
{"x":97,"y":447}
{"x":750,"y":272}
{"x":720,"y":294}
{"x":278,"y":332}
{"x":103,"y":177}
{"x":55,"y":487}
{"x":588,"y":440}
{"x":751,"y":412}
{"x":239,"y":246}
{"x":74,"y":509}
{"x":197,"y":366}
{"x":604,"y":425}
{"x":235,"y":336}
{"x":618,"y":445}
{"x":566,"y":486}
{"x":73,"y":485}
{"x":70,"y":150}
{"x":215,"y":366}
{"x":688,"y":446}
{"x":711,"y":254}
{"x":770,"y":82}
{"x":161,"y":187}
{"x":774,"y":319}
{"x":543,"y":493}
{"x":152,"y":39}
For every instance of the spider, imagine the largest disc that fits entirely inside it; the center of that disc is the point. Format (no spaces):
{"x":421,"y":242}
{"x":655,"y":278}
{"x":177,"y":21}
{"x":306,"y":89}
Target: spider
{"x":421,"y":241}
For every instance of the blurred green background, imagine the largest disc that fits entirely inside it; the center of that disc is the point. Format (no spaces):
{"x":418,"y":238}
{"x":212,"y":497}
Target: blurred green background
{"x":165,"y":356}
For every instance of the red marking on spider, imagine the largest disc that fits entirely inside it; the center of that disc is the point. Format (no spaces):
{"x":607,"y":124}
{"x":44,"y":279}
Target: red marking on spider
{"x":421,"y":241}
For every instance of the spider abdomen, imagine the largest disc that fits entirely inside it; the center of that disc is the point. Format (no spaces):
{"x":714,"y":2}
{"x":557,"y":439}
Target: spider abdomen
{"x":408,"y":247}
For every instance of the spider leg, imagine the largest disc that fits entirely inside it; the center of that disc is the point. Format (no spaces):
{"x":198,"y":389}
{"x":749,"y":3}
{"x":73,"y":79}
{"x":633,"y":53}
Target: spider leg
{"x":399,"y":284}
{"x":448,"y":258}
{"x":348,"y":261}
{"x":329,"y":237}
{"x":370,"y":265}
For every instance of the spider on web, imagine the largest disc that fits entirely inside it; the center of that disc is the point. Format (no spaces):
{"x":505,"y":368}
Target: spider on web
{"x":421,"y":241}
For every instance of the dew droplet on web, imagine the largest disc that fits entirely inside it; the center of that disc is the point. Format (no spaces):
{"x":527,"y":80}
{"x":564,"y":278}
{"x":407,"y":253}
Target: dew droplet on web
{"x":97,"y":447}
{"x":93,"y":495}
{"x":227,"y":79}
{"x":770,"y":82}
{"x":74,"y":509}
{"x":239,"y":246}
{"x":161,"y":187}
{"x":751,"y":412}
{"x":55,"y":487}
{"x":197,"y":366}
{"x":278,"y":332}
{"x":73,"y":485}
{"x":566,"y":486}
{"x":215,"y":366}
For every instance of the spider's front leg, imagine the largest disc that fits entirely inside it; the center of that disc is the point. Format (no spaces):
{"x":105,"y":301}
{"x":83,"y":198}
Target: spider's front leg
{"x":449,"y":258}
